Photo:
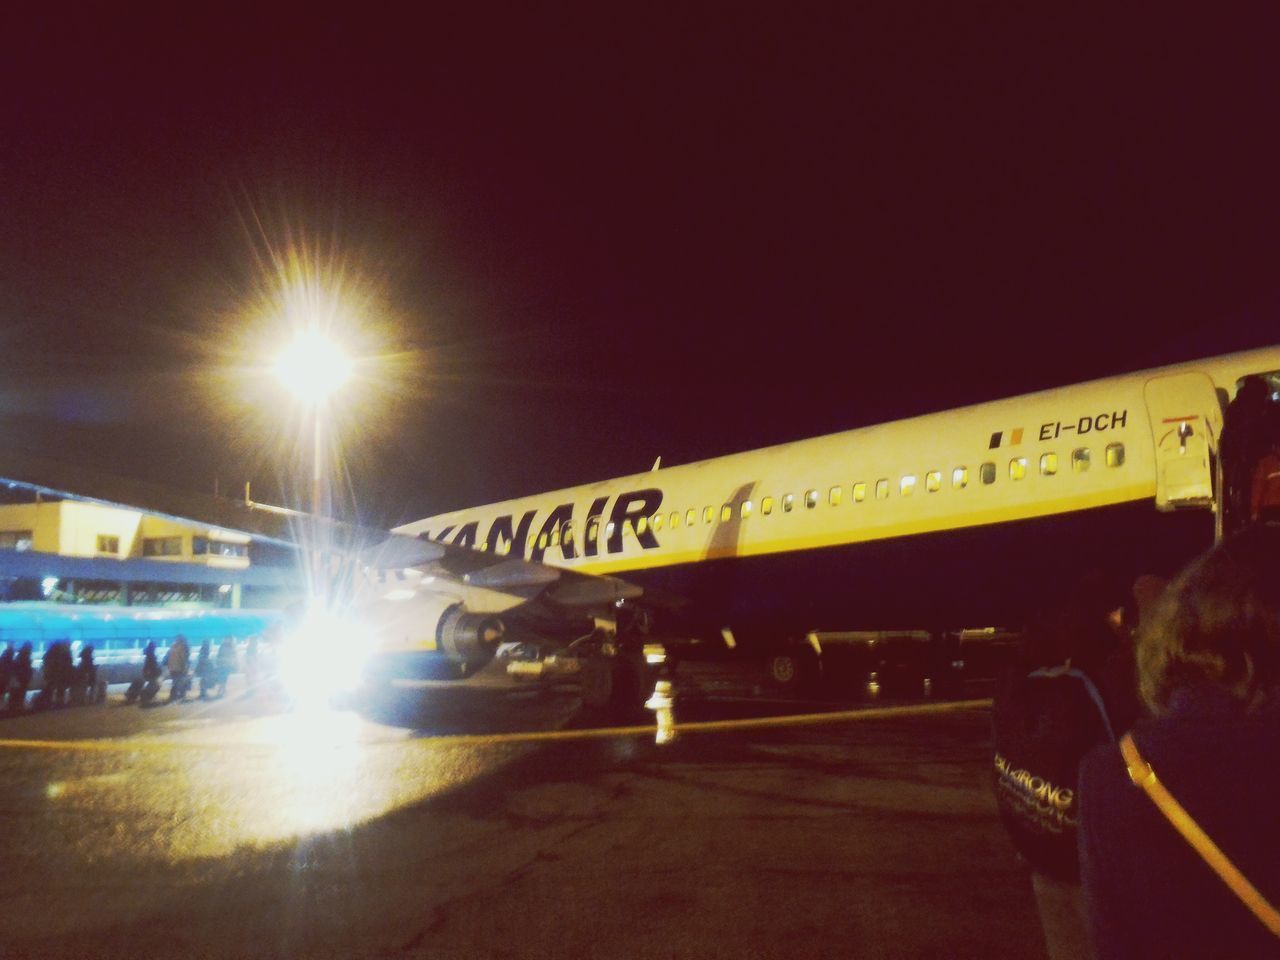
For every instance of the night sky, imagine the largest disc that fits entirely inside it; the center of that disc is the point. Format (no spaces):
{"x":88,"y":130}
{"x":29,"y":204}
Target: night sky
{"x":575,"y":239}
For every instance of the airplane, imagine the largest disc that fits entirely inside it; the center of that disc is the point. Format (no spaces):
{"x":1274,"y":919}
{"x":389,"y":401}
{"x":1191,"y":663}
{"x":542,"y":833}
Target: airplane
{"x":950,"y":520}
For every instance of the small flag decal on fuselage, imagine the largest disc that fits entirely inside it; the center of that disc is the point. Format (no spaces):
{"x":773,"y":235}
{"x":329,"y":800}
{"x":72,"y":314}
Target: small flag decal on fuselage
{"x":997,"y":438}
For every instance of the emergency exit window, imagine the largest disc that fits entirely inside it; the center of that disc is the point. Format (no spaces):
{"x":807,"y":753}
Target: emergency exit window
{"x":766,"y":506}
{"x":1017,"y":468}
{"x":960,"y":478}
{"x":1115,"y":454}
{"x":1080,"y":459}
{"x":933,"y":481}
{"x":987,"y":473}
{"x":882,"y":489}
{"x":859,"y":492}
{"x":1048,"y":464}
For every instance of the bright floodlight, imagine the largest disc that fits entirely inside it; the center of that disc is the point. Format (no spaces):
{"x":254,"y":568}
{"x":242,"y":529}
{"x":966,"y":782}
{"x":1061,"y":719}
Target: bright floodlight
{"x":313,"y":367}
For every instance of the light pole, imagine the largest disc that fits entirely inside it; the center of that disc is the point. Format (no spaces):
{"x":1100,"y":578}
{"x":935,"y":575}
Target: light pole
{"x":313,"y":368}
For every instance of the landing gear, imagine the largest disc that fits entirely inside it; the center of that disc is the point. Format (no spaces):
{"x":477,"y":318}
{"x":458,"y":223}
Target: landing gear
{"x":615,"y":683}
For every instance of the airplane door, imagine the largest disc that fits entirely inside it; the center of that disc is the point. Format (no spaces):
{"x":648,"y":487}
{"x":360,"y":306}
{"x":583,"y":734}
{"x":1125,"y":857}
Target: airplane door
{"x":1186,"y":421}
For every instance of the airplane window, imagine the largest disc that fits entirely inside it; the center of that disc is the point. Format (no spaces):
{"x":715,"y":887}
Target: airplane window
{"x":1048,"y":464}
{"x":833,"y":496}
{"x":593,"y":528}
{"x":859,"y":492}
{"x":484,"y":547}
{"x":542,"y":541}
{"x":726,"y":513}
{"x":933,"y":481}
{"x":642,"y":524}
{"x":691,"y":517}
{"x":745,"y":510}
{"x":960,"y":478}
{"x":1017,"y":468}
{"x":608,"y":529}
{"x":987,"y":473}
{"x":656,"y":522}
{"x":1115,"y":454}
{"x":567,"y":537}
{"x":810,"y":499}
{"x":1080,"y":459}
{"x":766,"y":506}
{"x":788,"y":502}
{"x":708,"y":514}
{"x":882,"y":489}
{"x":908,"y":485}
{"x":504,"y":547}
{"x":675,"y":519}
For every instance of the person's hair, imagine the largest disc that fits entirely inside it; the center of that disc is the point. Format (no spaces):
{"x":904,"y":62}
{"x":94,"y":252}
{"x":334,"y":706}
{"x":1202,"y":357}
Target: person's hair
{"x":1217,"y":626}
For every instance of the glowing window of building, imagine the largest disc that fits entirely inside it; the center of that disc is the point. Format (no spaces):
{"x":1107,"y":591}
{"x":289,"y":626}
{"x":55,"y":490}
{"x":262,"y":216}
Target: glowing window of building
{"x":987,"y":473}
{"x":766,"y":506}
{"x":788,"y":502}
{"x":19,"y":540}
{"x":933,"y":481}
{"x":960,"y":478}
{"x":833,"y":496}
{"x":810,"y":499}
{"x":691,"y":517}
{"x":1080,"y":459}
{"x":726,"y":513}
{"x":1048,"y":464}
{"x":108,"y":544}
{"x":1017,"y":468}
{"x":907,"y":485}
{"x":708,"y":514}
{"x":1115,"y":454}
{"x":882,"y":489}
{"x":744,"y":511}
{"x":859,"y":492}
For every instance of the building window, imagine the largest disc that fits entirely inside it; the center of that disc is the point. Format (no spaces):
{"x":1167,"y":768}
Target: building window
{"x":1017,"y":468}
{"x":810,"y":499}
{"x":987,"y":473}
{"x":833,"y":496}
{"x":788,"y":502}
{"x":882,"y":489}
{"x":766,"y":506}
{"x":1115,"y":454}
{"x":162,"y":547}
{"x":15,"y":539}
{"x":859,"y":492}
{"x":744,"y":511}
{"x":960,"y":478}
{"x":933,"y":481}
{"x":108,"y":544}
{"x":1080,"y":459}
{"x":1048,"y":464}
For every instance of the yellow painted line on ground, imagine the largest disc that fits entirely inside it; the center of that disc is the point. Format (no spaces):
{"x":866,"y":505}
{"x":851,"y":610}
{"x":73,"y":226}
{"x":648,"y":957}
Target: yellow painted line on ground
{"x":532,"y":736}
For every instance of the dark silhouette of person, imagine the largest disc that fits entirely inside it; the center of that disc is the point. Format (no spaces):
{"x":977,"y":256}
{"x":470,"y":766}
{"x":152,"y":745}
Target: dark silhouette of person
{"x":1209,"y":671}
{"x":6,"y":670}
{"x":21,"y":682}
{"x":178,"y":661}
{"x":87,"y":678}
{"x":225,"y":665}
{"x":1249,"y":433}
{"x":204,"y":669}
{"x":59,"y":673}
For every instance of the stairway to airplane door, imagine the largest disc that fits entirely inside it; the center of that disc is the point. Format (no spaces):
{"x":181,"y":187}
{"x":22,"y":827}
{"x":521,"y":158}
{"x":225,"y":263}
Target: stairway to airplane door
{"x":1186,"y":421}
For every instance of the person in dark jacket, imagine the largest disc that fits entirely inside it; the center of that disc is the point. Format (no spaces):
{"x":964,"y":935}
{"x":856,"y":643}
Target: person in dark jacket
{"x":6,"y":670}
{"x":1209,"y":670}
{"x":87,"y":676}
{"x":21,"y":681}
{"x":204,"y":669}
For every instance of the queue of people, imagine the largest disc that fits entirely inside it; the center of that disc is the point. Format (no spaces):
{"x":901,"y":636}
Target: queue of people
{"x":1134,"y":749}
{"x":64,"y":681}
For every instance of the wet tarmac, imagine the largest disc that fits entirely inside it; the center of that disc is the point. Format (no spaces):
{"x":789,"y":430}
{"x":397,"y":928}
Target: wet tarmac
{"x":502,"y":824}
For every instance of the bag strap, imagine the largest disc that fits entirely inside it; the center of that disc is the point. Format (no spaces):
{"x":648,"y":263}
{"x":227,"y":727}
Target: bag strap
{"x":1143,"y":776}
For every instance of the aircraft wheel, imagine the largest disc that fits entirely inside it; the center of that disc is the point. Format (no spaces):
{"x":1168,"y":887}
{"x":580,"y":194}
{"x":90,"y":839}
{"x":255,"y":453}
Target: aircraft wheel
{"x":792,"y":670}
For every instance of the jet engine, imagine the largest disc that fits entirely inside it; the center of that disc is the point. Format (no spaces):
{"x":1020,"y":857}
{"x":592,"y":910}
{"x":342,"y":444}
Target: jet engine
{"x":414,"y":629}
